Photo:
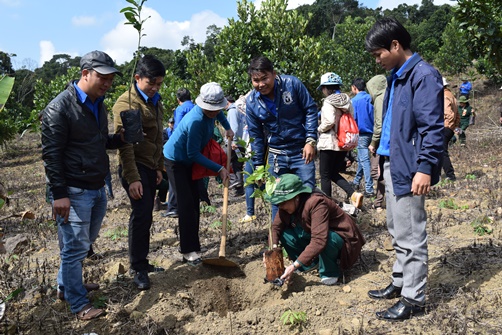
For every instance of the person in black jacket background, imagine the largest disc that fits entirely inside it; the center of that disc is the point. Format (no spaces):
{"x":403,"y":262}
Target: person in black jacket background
{"x":74,"y":142}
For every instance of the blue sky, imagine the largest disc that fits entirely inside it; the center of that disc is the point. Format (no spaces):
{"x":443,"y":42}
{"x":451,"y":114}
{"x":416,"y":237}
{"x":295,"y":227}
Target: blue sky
{"x":35,"y":30}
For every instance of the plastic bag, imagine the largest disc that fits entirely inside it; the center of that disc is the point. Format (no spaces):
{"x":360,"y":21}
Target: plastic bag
{"x":131,"y":121}
{"x":214,"y":152}
{"x":348,"y":132}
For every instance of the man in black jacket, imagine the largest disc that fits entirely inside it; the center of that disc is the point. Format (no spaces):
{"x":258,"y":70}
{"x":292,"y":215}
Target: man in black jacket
{"x":74,"y":142}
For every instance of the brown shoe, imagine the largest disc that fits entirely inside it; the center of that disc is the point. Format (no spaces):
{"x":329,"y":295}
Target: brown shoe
{"x":89,"y":287}
{"x":89,"y":313}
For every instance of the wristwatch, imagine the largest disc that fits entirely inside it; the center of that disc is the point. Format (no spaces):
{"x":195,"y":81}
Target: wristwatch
{"x":311,"y":141}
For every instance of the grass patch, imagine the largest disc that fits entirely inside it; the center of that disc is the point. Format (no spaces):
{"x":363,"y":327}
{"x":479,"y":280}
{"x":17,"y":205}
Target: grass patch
{"x":450,"y":204}
{"x":116,"y":233}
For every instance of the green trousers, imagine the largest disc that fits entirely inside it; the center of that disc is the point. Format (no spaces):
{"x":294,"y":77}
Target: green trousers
{"x":295,"y":240}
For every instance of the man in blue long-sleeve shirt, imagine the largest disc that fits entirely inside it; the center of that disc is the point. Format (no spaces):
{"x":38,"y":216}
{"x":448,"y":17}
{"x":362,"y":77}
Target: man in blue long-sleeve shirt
{"x":363,"y":114}
{"x":411,"y":150}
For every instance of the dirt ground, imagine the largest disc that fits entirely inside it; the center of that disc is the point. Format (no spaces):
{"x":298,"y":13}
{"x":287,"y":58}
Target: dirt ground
{"x":465,"y":278}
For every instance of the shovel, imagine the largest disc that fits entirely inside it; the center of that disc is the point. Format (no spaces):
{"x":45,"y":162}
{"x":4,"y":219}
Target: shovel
{"x":221,"y":260}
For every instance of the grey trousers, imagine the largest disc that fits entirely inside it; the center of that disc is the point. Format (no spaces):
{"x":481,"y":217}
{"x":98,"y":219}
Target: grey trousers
{"x":406,"y":221}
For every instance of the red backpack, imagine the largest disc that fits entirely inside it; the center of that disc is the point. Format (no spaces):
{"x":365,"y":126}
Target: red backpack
{"x":348,"y":132}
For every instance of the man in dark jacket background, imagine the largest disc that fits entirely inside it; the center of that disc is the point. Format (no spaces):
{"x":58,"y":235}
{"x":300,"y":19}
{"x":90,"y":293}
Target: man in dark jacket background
{"x":74,"y":142}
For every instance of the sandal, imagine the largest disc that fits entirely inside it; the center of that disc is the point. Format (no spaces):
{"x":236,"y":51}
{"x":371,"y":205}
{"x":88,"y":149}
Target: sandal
{"x":89,"y":313}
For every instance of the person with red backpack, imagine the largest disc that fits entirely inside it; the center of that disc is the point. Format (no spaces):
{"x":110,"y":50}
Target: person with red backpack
{"x":330,"y":144}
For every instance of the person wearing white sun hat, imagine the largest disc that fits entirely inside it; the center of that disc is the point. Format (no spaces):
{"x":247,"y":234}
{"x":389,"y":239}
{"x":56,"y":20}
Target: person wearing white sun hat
{"x":183,"y":150}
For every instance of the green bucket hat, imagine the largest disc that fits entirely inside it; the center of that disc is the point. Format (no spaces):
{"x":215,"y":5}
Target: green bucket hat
{"x":288,"y":186}
{"x":463,"y":99}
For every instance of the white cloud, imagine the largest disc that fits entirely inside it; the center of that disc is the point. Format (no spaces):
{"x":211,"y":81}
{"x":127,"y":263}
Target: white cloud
{"x":391,"y":4}
{"x":83,"y":20}
{"x":10,"y":3}
{"x":47,"y":50}
{"x":292,"y":4}
{"x":121,"y":42}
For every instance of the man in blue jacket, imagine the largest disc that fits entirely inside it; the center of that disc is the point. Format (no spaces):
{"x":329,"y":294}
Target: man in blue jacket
{"x":281,"y":106}
{"x":363,"y":114}
{"x":465,"y":88}
{"x":411,"y":149}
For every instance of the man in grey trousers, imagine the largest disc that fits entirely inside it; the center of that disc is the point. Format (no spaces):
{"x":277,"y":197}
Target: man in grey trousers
{"x":411,"y":149}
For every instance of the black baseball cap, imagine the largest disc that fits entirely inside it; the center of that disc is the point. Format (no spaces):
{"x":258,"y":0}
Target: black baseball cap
{"x":99,"y":62}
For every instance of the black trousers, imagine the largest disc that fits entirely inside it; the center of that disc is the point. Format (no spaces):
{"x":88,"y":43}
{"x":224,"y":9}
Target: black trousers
{"x":331,"y":163}
{"x":186,"y":191}
{"x":447,"y":166}
{"x":140,"y":220}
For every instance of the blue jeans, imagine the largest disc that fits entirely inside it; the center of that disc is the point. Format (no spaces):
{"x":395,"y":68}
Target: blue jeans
{"x":249,"y":190}
{"x":88,"y":208}
{"x":108,"y":185}
{"x":292,"y":163}
{"x":363,"y":162}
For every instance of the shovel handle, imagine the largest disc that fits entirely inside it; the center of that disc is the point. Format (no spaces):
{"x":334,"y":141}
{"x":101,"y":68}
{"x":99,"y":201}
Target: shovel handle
{"x":225,"y":204}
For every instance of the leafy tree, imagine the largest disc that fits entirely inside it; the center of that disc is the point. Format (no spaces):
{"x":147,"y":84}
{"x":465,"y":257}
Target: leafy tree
{"x":326,"y":14}
{"x":6,"y":63}
{"x":20,"y":104}
{"x":403,"y":13}
{"x":238,"y":42}
{"x":212,"y":33}
{"x":481,"y":24}
{"x":172,"y":83}
{"x":351,"y":59}
{"x":426,"y":10}
{"x":44,"y":93}
{"x":57,"y":66}
{"x":453,"y":56}
{"x":427,"y":33}
{"x":273,"y":32}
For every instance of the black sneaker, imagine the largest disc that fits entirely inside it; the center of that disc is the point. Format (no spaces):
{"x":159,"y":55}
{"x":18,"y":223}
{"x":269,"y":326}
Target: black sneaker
{"x":369,"y":195}
{"x":238,"y":192}
{"x":153,"y":268}
{"x":150,"y":269}
{"x":141,"y":280}
{"x":170,"y":214}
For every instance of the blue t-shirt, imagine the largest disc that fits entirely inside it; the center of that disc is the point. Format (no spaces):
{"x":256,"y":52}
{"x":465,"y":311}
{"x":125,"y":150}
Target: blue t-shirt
{"x":384,"y":147}
{"x":363,"y":112}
